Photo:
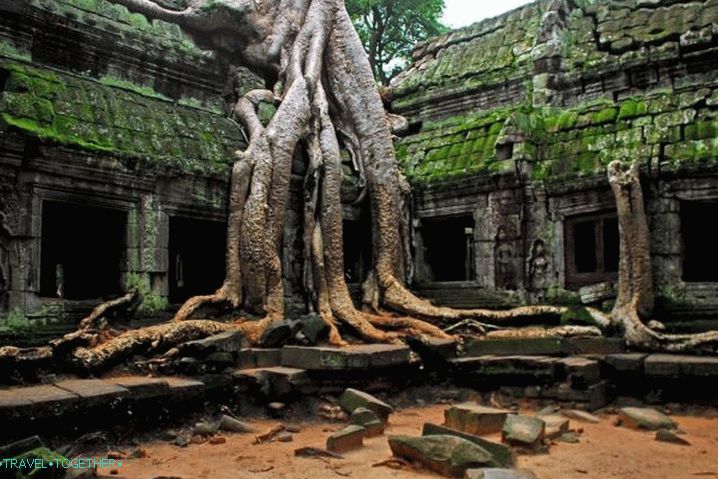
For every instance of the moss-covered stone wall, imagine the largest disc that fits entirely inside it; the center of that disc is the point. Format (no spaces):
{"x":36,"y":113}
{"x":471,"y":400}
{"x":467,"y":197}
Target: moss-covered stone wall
{"x":115,"y":118}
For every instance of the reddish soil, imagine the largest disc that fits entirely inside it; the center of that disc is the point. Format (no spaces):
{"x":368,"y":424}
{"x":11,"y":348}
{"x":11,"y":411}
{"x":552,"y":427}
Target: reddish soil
{"x":604,"y":452}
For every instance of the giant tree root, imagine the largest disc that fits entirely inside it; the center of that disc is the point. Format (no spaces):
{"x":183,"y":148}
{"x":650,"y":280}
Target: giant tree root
{"x":635,"y":286}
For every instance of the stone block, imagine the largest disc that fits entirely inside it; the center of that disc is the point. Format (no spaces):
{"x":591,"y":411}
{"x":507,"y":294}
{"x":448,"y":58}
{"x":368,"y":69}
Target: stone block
{"x":675,"y":366}
{"x":369,"y":420}
{"x":185,"y":389}
{"x":602,"y":346}
{"x":503,"y":456}
{"x":581,"y":416}
{"x":351,"y":437}
{"x":581,"y":372}
{"x":94,"y":392}
{"x":475,"y":419}
{"x":625,"y":363}
{"x":597,"y":293}
{"x":555,"y":425}
{"x":447,"y":455}
{"x":49,"y":400}
{"x":645,"y":418}
{"x":516,"y":347}
{"x":524,"y":431}
{"x":354,"y":357}
{"x":143,"y":387}
{"x":231,"y":342}
{"x":493,"y":473}
{"x":352,"y":399}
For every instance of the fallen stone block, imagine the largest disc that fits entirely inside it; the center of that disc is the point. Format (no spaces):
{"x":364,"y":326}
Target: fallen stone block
{"x":351,"y":437}
{"x":499,"y":474}
{"x":205,"y":428}
{"x":447,"y":455}
{"x":581,"y":372}
{"x":570,"y":437}
{"x":352,"y":399}
{"x":369,"y":420}
{"x":524,"y":431}
{"x":503,"y":456}
{"x":475,"y":419}
{"x":664,"y":435}
{"x":228,"y":423}
{"x":579,"y":415}
{"x":555,"y":425}
{"x":645,"y":418}
{"x":276,"y":335}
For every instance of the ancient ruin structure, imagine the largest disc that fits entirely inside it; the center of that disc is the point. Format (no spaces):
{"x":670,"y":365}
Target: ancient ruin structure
{"x":511,"y":126}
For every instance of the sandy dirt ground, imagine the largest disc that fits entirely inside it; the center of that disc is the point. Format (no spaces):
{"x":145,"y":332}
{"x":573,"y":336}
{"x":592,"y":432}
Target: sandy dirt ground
{"x":604,"y":452}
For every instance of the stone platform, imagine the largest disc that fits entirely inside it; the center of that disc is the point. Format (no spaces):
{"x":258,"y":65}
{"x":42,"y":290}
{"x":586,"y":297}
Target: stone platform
{"x":588,"y":381}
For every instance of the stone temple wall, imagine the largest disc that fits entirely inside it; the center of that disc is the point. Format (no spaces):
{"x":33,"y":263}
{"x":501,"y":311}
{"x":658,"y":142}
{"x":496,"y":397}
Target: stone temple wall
{"x":100,"y":108}
{"x":513,"y":121}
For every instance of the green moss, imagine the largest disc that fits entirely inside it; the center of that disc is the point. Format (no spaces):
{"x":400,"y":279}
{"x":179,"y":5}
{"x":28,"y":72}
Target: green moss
{"x":127,"y":85}
{"x":632,"y":108}
{"x":606,"y":115}
{"x":152,"y":302}
{"x":9,"y":50}
{"x":45,"y":457}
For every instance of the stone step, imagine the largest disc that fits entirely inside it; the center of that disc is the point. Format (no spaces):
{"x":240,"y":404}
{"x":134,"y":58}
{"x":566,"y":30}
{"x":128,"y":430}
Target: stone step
{"x":361,"y":357}
{"x":545,"y":346}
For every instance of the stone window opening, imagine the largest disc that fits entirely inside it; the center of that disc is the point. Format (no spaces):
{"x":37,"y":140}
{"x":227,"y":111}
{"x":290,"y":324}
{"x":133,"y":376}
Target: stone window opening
{"x":196,"y":257}
{"x":592,"y":249}
{"x":700,"y":255}
{"x":449,"y":249}
{"x":81,"y":251}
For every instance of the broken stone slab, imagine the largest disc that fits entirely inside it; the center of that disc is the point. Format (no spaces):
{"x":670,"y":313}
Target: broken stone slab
{"x":369,"y":420}
{"x":645,"y":418}
{"x":360,"y":357}
{"x":493,"y":473}
{"x":570,"y":437}
{"x":205,"y":428}
{"x":475,"y":419}
{"x":94,"y":392}
{"x":230,"y":342}
{"x":228,"y":423}
{"x":352,"y":399}
{"x":447,"y":455}
{"x":351,"y":437}
{"x":503,"y":455}
{"x":579,"y":415}
{"x":276,"y":335}
{"x":142,"y":387}
{"x":524,"y":431}
{"x":555,"y":425}
{"x":626,"y":363}
{"x":664,"y":435}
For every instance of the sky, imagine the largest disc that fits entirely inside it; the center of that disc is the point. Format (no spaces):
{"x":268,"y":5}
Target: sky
{"x":459,"y":13}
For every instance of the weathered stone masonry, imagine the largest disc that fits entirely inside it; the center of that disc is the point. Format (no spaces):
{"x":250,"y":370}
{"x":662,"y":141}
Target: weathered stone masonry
{"x":513,"y":122}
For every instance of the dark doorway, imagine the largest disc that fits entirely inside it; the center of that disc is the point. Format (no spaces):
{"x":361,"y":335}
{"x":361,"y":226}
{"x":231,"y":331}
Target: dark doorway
{"x":700,"y":254}
{"x":81,"y":250}
{"x":592,"y":249}
{"x":196,"y":257}
{"x":449,"y":247}
{"x":357,"y":248}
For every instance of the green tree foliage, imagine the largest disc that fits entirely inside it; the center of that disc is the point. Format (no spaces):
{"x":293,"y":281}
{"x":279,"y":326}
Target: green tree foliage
{"x":390,"y":28}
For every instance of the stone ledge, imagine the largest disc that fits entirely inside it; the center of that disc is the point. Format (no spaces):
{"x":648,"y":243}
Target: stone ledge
{"x":351,"y":358}
{"x":669,"y":365}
